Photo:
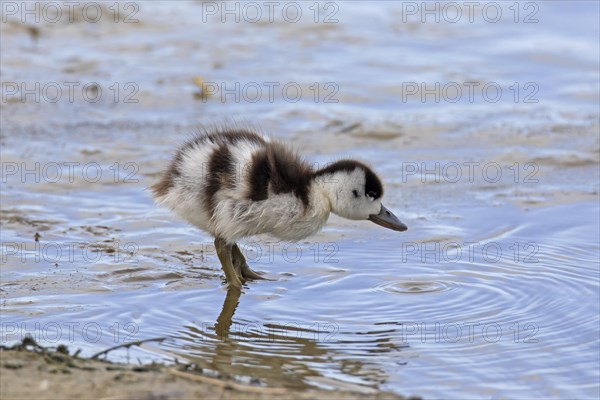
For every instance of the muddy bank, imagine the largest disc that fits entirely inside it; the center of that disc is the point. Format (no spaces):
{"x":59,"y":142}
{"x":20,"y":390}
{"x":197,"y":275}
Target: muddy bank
{"x":56,"y":374}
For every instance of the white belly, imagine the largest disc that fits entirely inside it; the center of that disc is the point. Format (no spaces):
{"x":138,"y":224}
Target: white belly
{"x":282,"y":216}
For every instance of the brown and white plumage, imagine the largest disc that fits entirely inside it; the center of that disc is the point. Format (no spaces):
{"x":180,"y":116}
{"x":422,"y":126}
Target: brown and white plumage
{"x":235,"y":183}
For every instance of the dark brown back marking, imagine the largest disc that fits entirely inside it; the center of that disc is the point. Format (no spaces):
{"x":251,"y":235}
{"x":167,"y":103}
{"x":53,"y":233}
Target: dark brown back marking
{"x":220,"y":174}
{"x":289,"y":174}
{"x":230,"y":136}
{"x":220,"y":136}
{"x":259,"y":176}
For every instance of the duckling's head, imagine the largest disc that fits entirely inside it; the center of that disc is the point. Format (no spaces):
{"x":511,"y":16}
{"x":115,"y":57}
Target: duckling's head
{"x":355,"y":192}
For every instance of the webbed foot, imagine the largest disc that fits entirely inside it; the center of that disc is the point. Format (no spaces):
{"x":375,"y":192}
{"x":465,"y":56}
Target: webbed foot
{"x":242,"y":268}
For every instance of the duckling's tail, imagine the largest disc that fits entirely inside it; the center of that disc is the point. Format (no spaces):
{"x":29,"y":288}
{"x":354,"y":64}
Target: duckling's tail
{"x":161,"y":188}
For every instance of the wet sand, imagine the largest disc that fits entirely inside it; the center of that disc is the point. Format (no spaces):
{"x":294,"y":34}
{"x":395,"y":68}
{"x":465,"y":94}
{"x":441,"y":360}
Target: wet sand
{"x":57,"y":375}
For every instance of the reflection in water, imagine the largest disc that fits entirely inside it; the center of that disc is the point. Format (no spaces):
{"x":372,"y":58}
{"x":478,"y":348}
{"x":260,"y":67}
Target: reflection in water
{"x":225,"y":318}
{"x":280,"y":354}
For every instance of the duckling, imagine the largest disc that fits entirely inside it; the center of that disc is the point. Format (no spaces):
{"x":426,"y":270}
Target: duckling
{"x":234,"y":183}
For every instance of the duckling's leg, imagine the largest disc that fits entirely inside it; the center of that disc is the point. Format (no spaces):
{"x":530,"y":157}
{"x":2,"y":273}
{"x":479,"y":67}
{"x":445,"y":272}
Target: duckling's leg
{"x":224,"y":251}
{"x":242,"y":267}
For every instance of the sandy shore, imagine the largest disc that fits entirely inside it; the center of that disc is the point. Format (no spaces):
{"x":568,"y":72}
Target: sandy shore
{"x":32,"y":372}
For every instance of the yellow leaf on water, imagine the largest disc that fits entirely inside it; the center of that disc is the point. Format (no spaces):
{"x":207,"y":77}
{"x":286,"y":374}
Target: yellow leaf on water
{"x":199,"y":82}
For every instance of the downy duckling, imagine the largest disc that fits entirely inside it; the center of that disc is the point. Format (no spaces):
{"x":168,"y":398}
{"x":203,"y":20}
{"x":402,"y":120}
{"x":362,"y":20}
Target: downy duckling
{"x":236,"y":183}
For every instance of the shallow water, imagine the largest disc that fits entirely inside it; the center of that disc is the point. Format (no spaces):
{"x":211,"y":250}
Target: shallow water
{"x":493,"y":291}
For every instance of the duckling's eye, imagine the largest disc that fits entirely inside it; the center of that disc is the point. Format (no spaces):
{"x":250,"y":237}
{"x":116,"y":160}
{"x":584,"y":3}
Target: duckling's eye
{"x":355,"y":193}
{"x":371,"y":194}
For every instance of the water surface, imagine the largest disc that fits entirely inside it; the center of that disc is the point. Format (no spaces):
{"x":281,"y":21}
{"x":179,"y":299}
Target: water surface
{"x":493,"y":290}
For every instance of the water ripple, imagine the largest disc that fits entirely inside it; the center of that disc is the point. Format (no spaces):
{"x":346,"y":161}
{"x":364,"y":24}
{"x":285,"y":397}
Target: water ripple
{"x":415,"y":287}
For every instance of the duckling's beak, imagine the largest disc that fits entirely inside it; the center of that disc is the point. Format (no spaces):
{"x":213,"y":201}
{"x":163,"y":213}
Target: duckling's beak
{"x":387,"y":219}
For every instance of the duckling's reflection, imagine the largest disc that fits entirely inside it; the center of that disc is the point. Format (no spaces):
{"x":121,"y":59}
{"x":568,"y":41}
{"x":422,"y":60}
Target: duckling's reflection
{"x":225,"y":319}
{"x":277,"y":354}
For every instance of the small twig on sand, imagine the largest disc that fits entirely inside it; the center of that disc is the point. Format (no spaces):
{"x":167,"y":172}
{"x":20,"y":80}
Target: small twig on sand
{"x":225,"y":384}
{"x":26,"y":342}
{"x":127,"y":345}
